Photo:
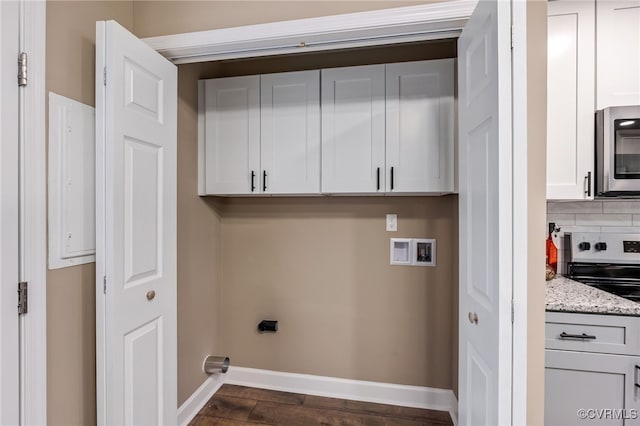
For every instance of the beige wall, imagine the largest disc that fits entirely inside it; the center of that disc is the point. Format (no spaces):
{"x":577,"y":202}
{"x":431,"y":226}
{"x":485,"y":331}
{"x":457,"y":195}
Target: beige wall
{"x":70,"y":71}
{"x":537,"y":194}
{"x":430,"y":360}
{"x":320,"y":266}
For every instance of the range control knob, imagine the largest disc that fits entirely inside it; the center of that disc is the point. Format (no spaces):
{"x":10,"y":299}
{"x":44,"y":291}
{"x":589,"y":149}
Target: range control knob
{"x":601,"y":246}
{"x":584,"y":246}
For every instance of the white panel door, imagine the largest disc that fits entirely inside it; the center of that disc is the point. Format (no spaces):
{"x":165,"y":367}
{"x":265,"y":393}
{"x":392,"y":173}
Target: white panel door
{"x":485,"y":164}
{"x":576,"y":381}
{"x":618,"y":53}
{"x":136,"y":231}
{"x":419,"y":113}
{"x":353,"y":126}
{"x":570,"y":100}
{"x":232,"y":135}
{"x":9,"y":143}
{"x":290,"y":132}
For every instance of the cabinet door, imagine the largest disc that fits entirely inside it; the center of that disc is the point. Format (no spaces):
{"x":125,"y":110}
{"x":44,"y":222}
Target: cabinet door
{"x":419,"y":113}
{"x":601,"y":384}
{"x":618,"y":54}
{"x":353,"y":129}
{"x":570,"y":99}
{"x":290,"y":132}
{"x":231,"y":132}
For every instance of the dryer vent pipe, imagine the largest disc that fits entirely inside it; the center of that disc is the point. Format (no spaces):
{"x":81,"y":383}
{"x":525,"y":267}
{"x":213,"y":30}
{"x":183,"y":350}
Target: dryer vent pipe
{"x":215,"y":364}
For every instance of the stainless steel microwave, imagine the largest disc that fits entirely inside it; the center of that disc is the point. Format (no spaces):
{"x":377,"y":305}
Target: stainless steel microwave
{"x":618,"y":152}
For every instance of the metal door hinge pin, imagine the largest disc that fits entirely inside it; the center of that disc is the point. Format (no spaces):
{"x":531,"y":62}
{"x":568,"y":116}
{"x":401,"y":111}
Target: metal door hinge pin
{"x":22,"y":69}
{"x":22,"y":297}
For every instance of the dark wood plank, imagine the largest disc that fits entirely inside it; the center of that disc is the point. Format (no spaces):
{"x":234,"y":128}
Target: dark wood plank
{"x":292,"y":415}
{"x":228,"y":407}
{"x":201,"y":420}
{"x":261,"y":394}
{"x":408,"y":413}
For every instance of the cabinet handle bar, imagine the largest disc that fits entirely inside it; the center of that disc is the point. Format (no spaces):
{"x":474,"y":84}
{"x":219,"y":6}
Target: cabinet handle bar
{"x":583,"y":336}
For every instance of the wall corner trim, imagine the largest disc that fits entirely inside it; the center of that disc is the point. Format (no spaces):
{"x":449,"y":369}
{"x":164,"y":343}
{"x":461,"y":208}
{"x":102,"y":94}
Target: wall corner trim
{"x":358,"y":390}
{"x":192,"y":406}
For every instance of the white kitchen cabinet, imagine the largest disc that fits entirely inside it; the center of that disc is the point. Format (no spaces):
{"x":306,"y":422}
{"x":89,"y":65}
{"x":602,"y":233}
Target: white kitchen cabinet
{"x":353,"y":129}
{"x":570,"y":99}
{"x":592,"y":363}
{"x":420,"y":120}
{"x":388,"y":128}
{"x":618,"y":53}
{"x":261,"y":134}
{"x":229,"y":135}
{"x":290,"y":132}
{"x":577,"y":381}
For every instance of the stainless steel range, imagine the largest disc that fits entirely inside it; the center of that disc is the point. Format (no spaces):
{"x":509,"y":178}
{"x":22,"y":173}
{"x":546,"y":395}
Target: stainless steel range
{"x":610,"y":262}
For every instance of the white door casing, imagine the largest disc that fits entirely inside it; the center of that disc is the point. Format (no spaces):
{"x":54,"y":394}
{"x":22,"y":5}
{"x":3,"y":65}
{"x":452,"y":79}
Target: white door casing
{"x":290,"y":132}
{"x":136,"y":231}
{"x":9,"y":260}
{"x":484,"y":86}
{"x":353,"y":129}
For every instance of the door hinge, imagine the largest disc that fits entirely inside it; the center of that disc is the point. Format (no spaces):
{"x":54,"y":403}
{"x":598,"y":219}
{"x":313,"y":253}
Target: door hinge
{"x":513,"y":312}
{"x":512,"y":36}
{"x":104,"y":285}
{"x":22,"y":69}
{"x":22,"y":297}
{"x":104,"y":75}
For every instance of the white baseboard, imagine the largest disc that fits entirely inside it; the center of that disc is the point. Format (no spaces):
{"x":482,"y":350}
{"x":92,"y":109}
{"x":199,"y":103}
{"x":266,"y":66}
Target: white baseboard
{"x":382,"y":393}
{"x":192,"y":406}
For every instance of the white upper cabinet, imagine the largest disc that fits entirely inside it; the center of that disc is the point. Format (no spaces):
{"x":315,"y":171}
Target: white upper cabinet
{"x":570,"y":99}
{"x":353,"y":130}
{"x":290,"y":132}
{"x":618,"y":53}
{"x":420,"y":120}
{"x":373,"y":129}
{"x":229,"y":152}
{"x":260,"y":134}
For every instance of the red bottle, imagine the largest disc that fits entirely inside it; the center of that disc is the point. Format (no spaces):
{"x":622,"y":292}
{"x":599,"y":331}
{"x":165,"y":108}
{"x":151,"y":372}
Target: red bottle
{"x":552,"y":250}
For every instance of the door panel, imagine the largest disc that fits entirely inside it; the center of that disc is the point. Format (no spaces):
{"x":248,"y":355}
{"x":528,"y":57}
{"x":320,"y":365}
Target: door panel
{"x":353,"y":129}
{"x":136,"y":224}
{"x":420,"y":120}
{"x":484,"y":82}
{"x":290,"y":132}
{"x":618,"y":53}
{"x":570,"y":99}
{"x":589,"y":381}
{"x":232,"y":134}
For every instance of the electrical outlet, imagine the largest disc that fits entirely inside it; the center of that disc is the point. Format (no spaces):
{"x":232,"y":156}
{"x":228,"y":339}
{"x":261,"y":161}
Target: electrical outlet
{"x":392,"y":222}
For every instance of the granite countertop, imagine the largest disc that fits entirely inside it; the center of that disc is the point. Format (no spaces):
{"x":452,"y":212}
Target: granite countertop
{"x":566,"y":295}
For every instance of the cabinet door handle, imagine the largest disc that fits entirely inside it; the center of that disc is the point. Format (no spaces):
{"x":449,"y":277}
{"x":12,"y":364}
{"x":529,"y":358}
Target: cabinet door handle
{"x":378,"y":179}
{"x":253,"y":180}
{"x":582,"y":336}
{"x":392,"y":178}
{"x":264,"y":181}
{"x":587,"y":179}
{"x":635,"y":382}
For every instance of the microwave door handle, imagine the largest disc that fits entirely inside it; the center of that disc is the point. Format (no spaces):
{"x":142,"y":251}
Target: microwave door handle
{"x":587,"y":180}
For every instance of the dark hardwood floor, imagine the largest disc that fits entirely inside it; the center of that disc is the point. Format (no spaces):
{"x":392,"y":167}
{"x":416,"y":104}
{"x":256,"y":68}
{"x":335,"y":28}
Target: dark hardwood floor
{"x":238,"y":405}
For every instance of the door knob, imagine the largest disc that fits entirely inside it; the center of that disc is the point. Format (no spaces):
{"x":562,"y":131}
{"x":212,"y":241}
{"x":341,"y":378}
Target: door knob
{"x":151,"y":294}
{"x":473,"y":318}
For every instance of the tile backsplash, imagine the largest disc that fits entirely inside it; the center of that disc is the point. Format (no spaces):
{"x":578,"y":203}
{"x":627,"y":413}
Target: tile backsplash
{"x":592,"y":216}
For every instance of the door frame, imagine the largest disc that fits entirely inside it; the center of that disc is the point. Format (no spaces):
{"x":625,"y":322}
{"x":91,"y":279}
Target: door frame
{"x":415,"y":23}
{"x":33,"y":325}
